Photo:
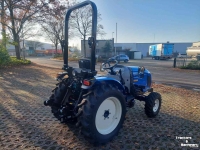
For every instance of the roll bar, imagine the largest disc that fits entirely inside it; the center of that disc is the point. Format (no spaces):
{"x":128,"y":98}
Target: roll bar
{"x":94,"y":29}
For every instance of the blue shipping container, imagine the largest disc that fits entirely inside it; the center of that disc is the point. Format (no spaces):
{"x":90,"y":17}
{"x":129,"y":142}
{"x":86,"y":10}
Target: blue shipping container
{"x":161,"y":51}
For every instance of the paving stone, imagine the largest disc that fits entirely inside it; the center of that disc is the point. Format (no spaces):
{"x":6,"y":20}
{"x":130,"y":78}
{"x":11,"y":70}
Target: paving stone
{"x":26,"y":124}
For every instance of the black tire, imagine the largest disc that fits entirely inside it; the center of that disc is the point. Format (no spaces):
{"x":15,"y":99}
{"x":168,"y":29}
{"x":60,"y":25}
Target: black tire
{"x":125,"y":60}
{"x":59,"y":93}
{"x":90,"y":109}
{"x":58,"y":96}
{"x":150,"y":110}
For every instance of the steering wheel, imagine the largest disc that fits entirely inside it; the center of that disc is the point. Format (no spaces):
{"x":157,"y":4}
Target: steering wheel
{"x":110,"y":67}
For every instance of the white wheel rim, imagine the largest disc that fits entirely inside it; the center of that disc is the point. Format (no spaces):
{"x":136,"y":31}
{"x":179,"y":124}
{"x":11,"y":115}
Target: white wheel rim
{"x":156,"y":106}
{"x":108,"y":115}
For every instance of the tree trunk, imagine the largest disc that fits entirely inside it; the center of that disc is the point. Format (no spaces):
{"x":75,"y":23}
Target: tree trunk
{"x":17,"y":46}
{"x":56,"y":46}
{"x":61,"y":44}
{"x":84,"y":46}
{"x":2,"y":18}
{"x":15,"y":35}
{"x":2,"y":23}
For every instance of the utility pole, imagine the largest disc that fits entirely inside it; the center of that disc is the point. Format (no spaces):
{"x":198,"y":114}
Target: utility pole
{"x":112,"y":34}
{"x":116,"y":40}
{"x":116,"y":32}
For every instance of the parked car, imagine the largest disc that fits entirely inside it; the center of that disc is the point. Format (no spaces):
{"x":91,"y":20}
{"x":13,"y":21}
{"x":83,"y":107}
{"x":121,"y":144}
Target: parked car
{"x":183,"y":56}
{"x":119,"y":58}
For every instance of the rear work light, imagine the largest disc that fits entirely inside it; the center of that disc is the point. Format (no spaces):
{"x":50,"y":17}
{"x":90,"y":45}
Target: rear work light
{"x":86,"y":82}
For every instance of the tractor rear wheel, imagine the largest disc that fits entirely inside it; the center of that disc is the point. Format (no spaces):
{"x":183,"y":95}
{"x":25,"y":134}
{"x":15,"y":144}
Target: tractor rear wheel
{"x":153,"y":104}
{"x":103,"y":114}
{"x":58,"y":95}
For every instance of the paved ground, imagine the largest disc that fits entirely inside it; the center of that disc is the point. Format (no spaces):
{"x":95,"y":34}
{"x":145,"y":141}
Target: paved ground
{"x":162,"y":71}
{"x":26,"y":124}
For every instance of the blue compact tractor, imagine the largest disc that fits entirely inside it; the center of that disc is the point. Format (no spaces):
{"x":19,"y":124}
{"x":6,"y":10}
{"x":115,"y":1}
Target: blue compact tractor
{"x":98,"y":104}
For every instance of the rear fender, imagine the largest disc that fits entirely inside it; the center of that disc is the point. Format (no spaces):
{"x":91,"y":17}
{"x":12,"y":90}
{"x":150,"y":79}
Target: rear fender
{"x":105,"y":80}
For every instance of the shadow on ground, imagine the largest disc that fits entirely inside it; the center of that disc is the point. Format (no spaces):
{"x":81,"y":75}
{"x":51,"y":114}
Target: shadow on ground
{"x":26,"y":124}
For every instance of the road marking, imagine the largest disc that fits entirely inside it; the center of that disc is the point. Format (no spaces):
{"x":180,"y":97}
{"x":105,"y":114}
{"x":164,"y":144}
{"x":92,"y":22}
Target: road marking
{"x":178,"y":86}
{"x":157,"y":82}
{"x":195,"y":89}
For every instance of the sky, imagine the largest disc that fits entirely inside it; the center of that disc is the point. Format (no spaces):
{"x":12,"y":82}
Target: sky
{"x":149,"y":20}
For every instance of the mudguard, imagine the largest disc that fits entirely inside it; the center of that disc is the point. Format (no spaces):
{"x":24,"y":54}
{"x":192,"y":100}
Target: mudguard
{"x":104,"y":80}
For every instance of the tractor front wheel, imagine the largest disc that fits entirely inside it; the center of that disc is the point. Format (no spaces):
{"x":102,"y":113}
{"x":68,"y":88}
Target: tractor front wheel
{"x":153,"y":104}
{"x":103,"y":114}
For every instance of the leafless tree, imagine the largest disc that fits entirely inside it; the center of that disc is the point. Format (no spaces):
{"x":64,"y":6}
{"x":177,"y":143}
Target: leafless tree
{"x":82,"y":23}
{"x":19,"y":12}
{"x":53,"y":24}
{"x":53,"y":30}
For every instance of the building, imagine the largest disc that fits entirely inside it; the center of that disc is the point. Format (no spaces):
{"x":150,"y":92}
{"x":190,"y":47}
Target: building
{"x":194,"y":50}
{"x":144,"y":47}
{"x":99,"y":46}
{"x":126,"y":48}
{"x":30,"y":50}
{"x":48,"y":52}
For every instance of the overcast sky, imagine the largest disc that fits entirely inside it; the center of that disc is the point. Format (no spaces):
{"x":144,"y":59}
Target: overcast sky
{"x":150,"y":20}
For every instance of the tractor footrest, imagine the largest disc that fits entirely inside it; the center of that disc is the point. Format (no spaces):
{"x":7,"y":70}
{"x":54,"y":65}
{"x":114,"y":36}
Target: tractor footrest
{"x":129,"y":98}
{"x":150,"y":90}
{"x":130,"y":102}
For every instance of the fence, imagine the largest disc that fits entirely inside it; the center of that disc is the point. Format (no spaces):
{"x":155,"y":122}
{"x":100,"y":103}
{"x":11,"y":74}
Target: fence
{"x":181,"y":62}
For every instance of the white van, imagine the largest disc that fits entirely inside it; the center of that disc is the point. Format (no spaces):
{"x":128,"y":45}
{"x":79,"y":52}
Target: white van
{"x":183,"y":56}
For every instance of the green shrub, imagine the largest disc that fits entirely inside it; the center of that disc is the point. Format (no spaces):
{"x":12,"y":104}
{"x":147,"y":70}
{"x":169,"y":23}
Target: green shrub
{"x":15,"y":62}
{"x":4,"y":56}
{"x":194,"y":65}
{"x":71,"y":57}
{"x":5,"y":59}
{"x":58,"y":55}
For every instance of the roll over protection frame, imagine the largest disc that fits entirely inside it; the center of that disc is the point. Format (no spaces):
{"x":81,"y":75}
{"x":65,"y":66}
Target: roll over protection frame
{"x":94,"y":30}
